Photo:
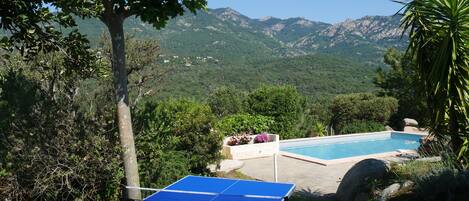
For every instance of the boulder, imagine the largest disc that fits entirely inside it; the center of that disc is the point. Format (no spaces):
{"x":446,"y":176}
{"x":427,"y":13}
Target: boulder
{"x":357,"y":180}
{"x":411,"y":129}
{"x":408,"y":184}
{"x":388,"y":128}
{"x":410,"y":122}
{"x":390,"y":191}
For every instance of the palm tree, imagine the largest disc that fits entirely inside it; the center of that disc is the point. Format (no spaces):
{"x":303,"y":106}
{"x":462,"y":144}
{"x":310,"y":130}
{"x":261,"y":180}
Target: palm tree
{"x":439,"y":41}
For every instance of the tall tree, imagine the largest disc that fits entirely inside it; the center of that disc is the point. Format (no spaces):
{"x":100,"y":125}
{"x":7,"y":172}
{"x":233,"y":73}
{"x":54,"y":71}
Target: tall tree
{"x":30,"y":24}
{"x":439,"y":41}
{"x":401,"y":81}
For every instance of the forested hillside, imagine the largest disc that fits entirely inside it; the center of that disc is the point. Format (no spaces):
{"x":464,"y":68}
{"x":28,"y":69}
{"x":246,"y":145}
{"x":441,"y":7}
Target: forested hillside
{"x":313,"y":75}
{"x":223,"y":47}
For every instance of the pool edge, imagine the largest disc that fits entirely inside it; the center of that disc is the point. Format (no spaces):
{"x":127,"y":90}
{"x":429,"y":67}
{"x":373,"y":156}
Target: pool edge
{"x":344,"y":160}
{"x":347,"y":159}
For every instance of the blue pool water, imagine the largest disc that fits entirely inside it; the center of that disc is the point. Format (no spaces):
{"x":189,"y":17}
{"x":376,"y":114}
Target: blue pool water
{"x":337,"y":150}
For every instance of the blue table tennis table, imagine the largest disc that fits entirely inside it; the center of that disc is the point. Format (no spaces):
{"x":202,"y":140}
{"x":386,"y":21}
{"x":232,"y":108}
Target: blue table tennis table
{"x":197,"y":188}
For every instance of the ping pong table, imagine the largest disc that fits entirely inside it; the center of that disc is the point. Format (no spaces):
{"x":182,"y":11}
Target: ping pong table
{"x":198,"y":188}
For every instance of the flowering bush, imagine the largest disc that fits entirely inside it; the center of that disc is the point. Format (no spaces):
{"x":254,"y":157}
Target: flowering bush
{"x":262,"y":138}
{"x":240,"y":139}
{"x":245,"y":139}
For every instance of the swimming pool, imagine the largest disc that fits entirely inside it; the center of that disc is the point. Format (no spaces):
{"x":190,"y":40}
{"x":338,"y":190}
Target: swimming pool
{"x":349,"y":146}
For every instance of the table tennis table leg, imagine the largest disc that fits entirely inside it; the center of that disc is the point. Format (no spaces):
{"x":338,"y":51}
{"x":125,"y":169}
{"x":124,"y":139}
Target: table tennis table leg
{"x":275,"y":168}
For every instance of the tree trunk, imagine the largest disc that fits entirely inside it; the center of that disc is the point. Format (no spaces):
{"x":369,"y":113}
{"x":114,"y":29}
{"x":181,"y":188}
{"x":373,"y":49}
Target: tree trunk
{"x":124,"y":121}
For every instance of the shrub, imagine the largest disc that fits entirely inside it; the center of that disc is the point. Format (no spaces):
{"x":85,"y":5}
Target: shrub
{"x":163,"y":167}
{"x":402,"y":82}
{"x":362,"y":127}
{"x":366,"y":107}
{"x":244,"y":123}
{"x":283,"y":103}
{"x":49,"y":148}
{"x":318,"y":129}
{"x":226,"y":101}
{"x":181,"y":127}
{"x":415,"y":170}
{"x":448,"y":184}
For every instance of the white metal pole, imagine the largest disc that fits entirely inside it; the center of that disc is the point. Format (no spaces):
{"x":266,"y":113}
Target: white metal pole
{"x":275,"y":168}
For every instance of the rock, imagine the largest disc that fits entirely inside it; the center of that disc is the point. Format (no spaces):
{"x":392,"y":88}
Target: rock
{"x":408,"y":184}
{"x":357,"y":180}
{"x":411,"y":129}
{"x":410,"y":122}
{"x":388,"y":128}
{"x":390,"y":191}
{"x":226,"y":166}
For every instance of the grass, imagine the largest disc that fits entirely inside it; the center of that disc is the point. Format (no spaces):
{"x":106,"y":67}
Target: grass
{"x":415,"y":169}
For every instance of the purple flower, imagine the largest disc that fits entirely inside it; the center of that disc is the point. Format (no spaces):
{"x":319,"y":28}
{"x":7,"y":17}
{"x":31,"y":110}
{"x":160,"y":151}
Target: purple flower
{"x":262,"y":138}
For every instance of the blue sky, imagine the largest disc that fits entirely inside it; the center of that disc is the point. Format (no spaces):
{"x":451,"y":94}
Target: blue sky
{"x":330,"y":11}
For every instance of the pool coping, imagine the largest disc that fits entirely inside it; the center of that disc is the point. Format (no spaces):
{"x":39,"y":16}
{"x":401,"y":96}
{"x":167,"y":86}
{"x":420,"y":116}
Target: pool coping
{"x":347,"y":159}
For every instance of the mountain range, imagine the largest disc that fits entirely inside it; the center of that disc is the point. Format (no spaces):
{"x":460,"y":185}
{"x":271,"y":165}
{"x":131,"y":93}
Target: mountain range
{"x":222,"y":47}
{"x":227,"y":34}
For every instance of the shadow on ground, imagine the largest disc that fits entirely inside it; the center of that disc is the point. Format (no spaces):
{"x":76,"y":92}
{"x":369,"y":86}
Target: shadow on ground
{"x":311,"y":195}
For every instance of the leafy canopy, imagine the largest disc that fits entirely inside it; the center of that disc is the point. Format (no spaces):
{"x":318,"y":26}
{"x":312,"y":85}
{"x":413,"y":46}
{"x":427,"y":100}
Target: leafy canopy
{"x":439,"y":41}
{"x":244,"y":123}
{"x":227,"y":101}
{"x":176,"y":138}
{"x":359,"y":110}
{"x":284,"y":104}
{"x":31,"y":25}
{"x":50,"y":147}
{"x":402,"y":82}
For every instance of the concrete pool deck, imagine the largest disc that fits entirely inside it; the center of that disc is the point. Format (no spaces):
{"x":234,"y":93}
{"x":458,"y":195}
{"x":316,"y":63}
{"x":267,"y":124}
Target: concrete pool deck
{"x":319,"y":177}
{"x":308,"y":177}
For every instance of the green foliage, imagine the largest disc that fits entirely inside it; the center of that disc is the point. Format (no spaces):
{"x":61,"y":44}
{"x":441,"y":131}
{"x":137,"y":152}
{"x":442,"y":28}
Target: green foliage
{"x":49,"y":148}
{"x":283,"y":103}
{"x":446,"y":184}
{"x":35,"y":19}
{"x":362,"y":127}
{"x":227,"y":101}
{"x":316,"y":118}
{"x":319,"y":110}
{"x":144,"y":74}
{"x":319,"y":129}
{"x":415,"y":170}
{"x":439,"y":38}
{"x":463,"y":154}
{"x":175,"y":127}
{"x":316,"y":76}
{"x":402,"y":82}
{"x":244,"y":123}
{"x":160,"y":168}
{"x":4,"y":173}
{"x":361,"y":107}
{"x":31,"y":30}
{"x":443,"y":184}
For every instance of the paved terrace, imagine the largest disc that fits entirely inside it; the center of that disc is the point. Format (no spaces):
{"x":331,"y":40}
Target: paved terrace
{"x":309,"y":177}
